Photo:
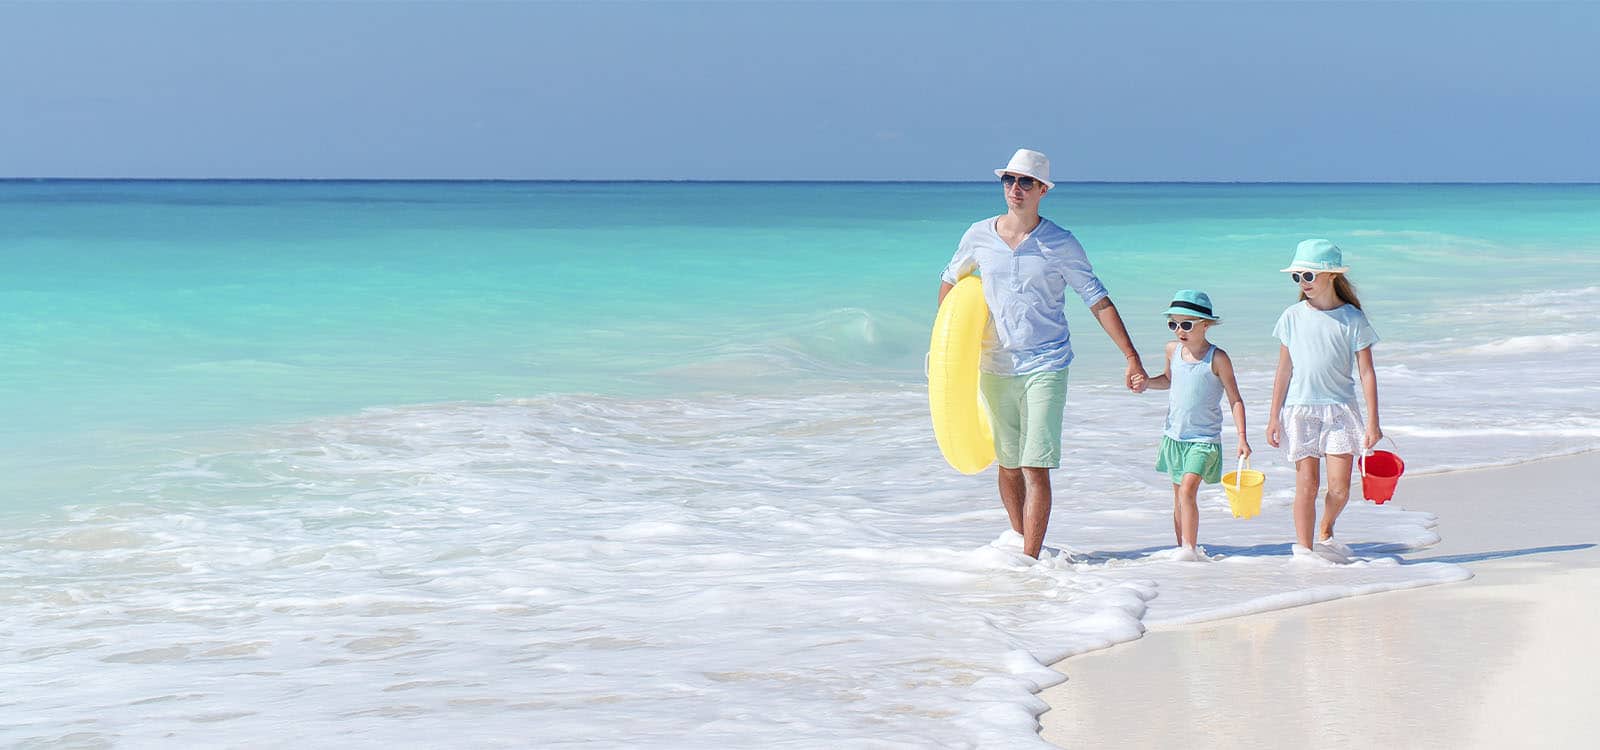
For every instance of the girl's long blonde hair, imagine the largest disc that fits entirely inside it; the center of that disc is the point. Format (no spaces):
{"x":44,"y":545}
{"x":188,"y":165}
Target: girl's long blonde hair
{"x":1345,"y":290}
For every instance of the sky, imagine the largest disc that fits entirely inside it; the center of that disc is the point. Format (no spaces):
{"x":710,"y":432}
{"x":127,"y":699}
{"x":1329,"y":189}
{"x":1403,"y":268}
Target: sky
{"x":1275,"y":91}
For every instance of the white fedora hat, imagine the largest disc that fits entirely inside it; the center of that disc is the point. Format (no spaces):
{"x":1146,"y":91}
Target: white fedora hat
{"x":1031,"y":163}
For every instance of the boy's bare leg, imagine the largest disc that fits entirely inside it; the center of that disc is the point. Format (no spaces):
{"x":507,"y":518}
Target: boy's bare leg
{"x":1177,"y":525}
{"x":1189,"y":510}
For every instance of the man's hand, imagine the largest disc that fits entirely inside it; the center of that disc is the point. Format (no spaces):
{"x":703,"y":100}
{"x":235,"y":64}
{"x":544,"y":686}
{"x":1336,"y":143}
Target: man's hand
{"x":1137,"y":378}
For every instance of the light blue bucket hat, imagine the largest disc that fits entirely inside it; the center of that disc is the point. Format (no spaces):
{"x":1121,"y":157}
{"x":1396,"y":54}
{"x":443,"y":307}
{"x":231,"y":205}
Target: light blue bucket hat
{"x":1193,"y":303}
{"x":1317,"y":255}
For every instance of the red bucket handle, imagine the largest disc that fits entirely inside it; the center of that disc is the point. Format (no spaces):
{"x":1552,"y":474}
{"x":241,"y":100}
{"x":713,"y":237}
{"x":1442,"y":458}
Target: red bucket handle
{"x":1361,"y":463}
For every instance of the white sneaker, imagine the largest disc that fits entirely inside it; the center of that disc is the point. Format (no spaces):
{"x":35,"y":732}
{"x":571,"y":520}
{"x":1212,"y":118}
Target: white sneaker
{"x":1318,"y":556}
{"x":1330,"y":554}
{"x":1338,"y":547}
{"x":1179,"y":554}
{"x":1183,"y":554}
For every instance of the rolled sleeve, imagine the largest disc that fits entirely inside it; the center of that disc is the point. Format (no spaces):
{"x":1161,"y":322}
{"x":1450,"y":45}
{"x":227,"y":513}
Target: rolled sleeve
{"x":962,"y":264}
{"x":1079,"y":274}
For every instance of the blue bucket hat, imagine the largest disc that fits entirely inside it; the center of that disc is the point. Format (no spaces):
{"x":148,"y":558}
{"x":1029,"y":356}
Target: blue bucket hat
{"x":1317,"y":255}
{"x":1193,"y":303}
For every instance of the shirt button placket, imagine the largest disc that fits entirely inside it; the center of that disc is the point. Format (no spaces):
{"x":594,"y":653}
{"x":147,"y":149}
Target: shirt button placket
{"x":1016,"y":267}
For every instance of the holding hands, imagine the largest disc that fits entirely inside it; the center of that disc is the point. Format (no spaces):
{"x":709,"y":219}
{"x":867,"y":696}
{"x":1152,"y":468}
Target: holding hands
{"x":1136,"y":378}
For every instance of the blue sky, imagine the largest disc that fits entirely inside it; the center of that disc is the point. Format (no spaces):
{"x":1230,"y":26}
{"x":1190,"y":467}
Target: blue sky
{"x":878,"y":91}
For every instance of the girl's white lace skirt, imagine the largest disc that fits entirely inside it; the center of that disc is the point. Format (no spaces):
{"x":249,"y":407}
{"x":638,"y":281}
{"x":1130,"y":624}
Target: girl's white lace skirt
{"x":1317,"y":430}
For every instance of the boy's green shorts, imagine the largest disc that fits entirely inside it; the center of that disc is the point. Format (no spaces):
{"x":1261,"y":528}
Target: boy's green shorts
{"x":1025,"y":412}
{"x":1177,"y":458}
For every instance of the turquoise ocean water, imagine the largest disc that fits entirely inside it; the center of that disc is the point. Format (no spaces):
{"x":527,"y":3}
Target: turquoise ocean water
{"x":135,"y":311}
{"x":328,"y":433}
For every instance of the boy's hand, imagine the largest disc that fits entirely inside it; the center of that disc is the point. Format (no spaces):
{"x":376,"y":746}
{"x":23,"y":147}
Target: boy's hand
{"x":1136,"y":376}
{"x":1274,"y":433}
{"x":1244,"y":448}
{"x":1374,"y":434}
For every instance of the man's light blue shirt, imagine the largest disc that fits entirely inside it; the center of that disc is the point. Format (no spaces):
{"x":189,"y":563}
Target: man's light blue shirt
{"x":1026,"y":291}
{"x":1322,"y":349}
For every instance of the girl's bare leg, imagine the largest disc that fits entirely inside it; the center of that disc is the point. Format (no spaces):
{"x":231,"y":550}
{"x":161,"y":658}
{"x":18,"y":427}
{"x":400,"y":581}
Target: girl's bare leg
{"x":1307,"y":481}
{"x":1338,"y":494}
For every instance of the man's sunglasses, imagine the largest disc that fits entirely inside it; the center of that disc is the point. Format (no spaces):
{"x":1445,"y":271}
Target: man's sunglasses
{"x":1303,"y":276}
{"x":1180,"y":325}
{"x":1026,"y":183}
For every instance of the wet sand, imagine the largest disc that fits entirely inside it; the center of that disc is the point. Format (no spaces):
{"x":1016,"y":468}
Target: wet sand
{"x":1503,"y":660}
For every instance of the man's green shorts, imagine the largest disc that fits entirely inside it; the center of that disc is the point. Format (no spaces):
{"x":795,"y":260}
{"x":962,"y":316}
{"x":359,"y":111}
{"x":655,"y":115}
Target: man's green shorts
{"x":1025,"y":411}
{"x":1177,"y":458}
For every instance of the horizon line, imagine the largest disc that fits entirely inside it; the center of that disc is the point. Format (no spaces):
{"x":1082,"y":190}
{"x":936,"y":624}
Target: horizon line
{"x":767,"y":181}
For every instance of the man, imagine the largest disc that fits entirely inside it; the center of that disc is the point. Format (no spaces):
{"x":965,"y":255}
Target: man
{"x":1027,"y":263}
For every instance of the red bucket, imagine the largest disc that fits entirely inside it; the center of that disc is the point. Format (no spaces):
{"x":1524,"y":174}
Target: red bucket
{"x":1380,"y":472}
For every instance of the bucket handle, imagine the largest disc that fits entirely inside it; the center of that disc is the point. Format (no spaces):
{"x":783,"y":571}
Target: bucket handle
{"x":1239,"y":468}
{"x":1361,"y":463}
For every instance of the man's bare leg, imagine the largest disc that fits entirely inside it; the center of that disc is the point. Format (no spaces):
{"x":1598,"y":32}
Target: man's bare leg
{"x":1035,"y":509}
{"x":1012,"y":492}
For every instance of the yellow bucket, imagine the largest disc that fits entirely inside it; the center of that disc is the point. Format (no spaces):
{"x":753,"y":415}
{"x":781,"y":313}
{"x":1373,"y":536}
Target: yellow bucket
{"x":1244,"y":491}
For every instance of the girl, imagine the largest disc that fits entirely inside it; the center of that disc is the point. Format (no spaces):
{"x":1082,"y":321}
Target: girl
{"x":1197,"y":375}
{"x":1314,"y":396}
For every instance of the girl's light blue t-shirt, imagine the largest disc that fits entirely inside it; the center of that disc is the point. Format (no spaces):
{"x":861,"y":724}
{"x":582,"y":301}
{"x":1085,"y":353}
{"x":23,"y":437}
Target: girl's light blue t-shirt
{"x":1322,"y":348}
{"x":1026,"y":293}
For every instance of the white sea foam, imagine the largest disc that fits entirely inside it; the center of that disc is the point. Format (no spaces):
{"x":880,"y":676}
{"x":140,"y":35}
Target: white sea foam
{"x":757,"y":572}
{"x":741,"y":572}
{"x":1515,"y":345}
{"x":737,"y":571}
{"x":1413,"y":239}
{"x":1555,"y":297}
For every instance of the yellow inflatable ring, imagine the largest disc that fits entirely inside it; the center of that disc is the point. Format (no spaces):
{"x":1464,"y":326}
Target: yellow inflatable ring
{"x":960,"y":420}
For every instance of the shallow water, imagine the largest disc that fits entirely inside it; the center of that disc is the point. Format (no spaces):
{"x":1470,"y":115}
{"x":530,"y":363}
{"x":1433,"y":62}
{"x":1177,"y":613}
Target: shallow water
{"x":439,"y":463}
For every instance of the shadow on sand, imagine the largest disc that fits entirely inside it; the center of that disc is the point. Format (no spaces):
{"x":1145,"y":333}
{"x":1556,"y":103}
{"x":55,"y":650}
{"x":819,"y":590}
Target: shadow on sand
{"x":1498,"y":554}
{"x":1368,"y":549}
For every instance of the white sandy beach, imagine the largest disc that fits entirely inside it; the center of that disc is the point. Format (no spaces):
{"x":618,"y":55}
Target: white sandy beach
{"x":1503,"y":660}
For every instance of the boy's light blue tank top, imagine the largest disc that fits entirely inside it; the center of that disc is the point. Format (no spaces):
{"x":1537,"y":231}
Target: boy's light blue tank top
{"x":1194,"y":402}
